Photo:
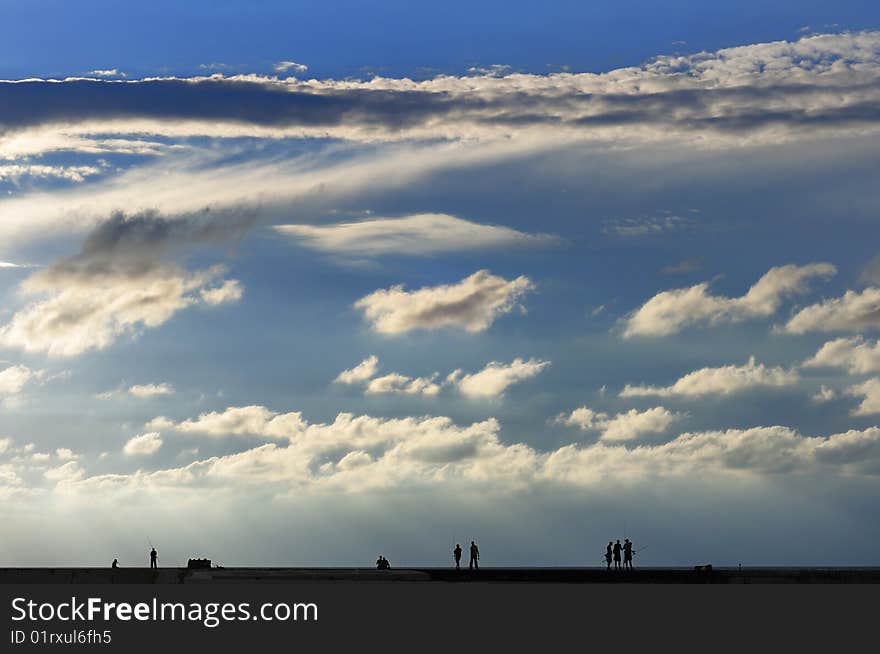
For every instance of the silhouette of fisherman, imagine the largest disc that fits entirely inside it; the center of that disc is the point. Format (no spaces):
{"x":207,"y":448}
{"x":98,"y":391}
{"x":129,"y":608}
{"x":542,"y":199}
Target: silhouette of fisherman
{"x":627,"y":554}
{"x":115,"y":564}
{"x":456,"y":554}
{"x":616,"y":551}
{"x":154,"y":556}
{"x":475,"y":557}
{"x":608,"y":556}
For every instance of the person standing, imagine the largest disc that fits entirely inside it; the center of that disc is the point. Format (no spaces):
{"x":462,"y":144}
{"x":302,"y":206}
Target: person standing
{"x":456,"y":554}
{"x":627,"y":554}
{"x":616,"y":550}
{"x":608,"y":556}
{"x":154,"y":559}
{"x":475,"y":557}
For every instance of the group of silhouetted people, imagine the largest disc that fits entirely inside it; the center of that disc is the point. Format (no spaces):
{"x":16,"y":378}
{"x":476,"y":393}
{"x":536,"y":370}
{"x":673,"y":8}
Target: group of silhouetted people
{"x":154,"y":560}
{"x":613,"y":552}
{"x":475,"y":557}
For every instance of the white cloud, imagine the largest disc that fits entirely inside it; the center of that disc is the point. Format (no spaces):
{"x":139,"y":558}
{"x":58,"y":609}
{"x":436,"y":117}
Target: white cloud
{"x":66,"y":454}
{"x":16,"y":172}
{"x":284,"y":66}
{"x":238,"y":421}
{"x":769,"y":89}
{"x":472,"y":304}
{"x":151,"y":390}
{"x":852,"y":312}
{"x":736,"y":96}
{"x":646,"y":225}
{"x":669,"y":312}
{"x":496,"y":377}
{"x":824,"y":394}
{"x":420,"y":234}
{"x":66,"y":472}
{"x":14,"y":378}
{"x":143,"y":445}
{"x":106,"y":72}
{"x":491,"y":381}
{"x":855,"y":354}
{"x":631,"y":425}
{"x":360,"y":373}
{"x":230,"y":290}
{"x":357,"y":453}
{"x":397,"y":383}
{"x":870,"y":392}
{"x":91,"y":312}
{"x":723,"y":380}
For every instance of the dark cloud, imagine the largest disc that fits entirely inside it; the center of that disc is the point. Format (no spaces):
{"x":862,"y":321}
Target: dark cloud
{"x":134,"y":245}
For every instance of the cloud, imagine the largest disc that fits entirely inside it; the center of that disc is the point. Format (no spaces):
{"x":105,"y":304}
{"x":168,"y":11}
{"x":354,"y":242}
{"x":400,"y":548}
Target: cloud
{"x":14,"y":378}
{"x":824,"y":394}
{"x":115,"y":286}
{"x":855,"y":354}
{"x":669,"y":312}
{"x":870,"y":392}
{"x":723,"y":380}
{"x":66,"y":472}
{"x":472,"y":304}
{"x":682,"y":267}
{"x":231,"y":290}
{"x":817,"y":84}
{"x":496,"y":377}
{"x":490,"y":382}
{"x":143,"y":445}
{"x":151,"y":390}
{"x":645,"y":226}
{"x":106,"y":72}
{"x":631,"y":425}
{"x":238,"y":421}
{"x":360,"y":373}
{"x":419,"y":234}
{"x":358,"y":453}
{"x":66,"y":454}
{"x":397,"y":383}
{"x":852,"y":312}
{"x":284,"y":66}
{"x":16,"y":172}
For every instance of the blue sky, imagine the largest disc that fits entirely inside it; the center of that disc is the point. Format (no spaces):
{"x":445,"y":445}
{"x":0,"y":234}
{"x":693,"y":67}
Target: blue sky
{"x":286,"y":285}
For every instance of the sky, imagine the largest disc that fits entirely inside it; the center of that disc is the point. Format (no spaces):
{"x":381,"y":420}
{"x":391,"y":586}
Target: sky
{"x":292,"y":284}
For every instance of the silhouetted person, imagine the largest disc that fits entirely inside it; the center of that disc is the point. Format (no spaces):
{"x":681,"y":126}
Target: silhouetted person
{"x":115,"y":564}
{"x":475,"y":557}
{"x":616,"y":551}
{"x":608,"y":556}
{"x":382,"y":563}
{"x":627,"y":554}
{"x":456,"y":554}
{"x":154,"y":557}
